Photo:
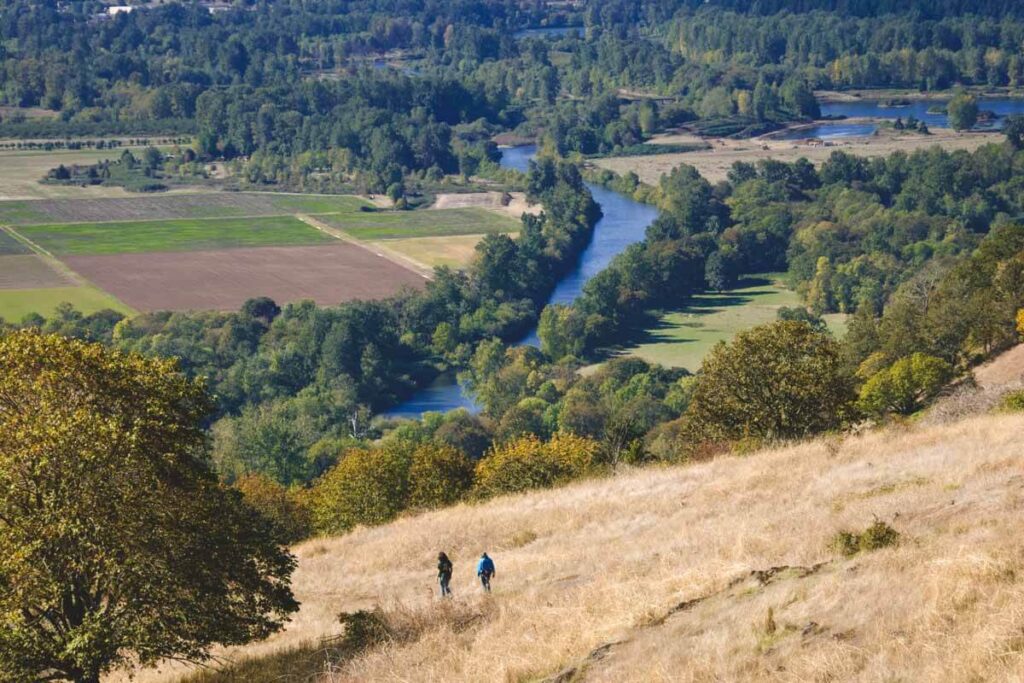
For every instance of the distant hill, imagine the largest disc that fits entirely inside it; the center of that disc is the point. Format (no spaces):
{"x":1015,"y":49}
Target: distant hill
{"x":671,"y":574}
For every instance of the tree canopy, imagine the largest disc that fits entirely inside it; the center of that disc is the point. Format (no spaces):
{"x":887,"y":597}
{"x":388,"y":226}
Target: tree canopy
{"x":117,"y":543}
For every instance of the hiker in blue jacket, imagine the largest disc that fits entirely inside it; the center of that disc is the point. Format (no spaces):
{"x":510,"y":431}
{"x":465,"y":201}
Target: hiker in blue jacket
{"x":485,"y":570}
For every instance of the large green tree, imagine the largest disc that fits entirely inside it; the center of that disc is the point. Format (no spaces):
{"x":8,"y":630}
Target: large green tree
{"x":117,"y":543}
{"x":963,"y":111}
{"x":781,"y":380}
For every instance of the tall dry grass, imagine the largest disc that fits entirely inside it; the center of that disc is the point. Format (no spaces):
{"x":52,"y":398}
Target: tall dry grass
{"x":605,"y":561}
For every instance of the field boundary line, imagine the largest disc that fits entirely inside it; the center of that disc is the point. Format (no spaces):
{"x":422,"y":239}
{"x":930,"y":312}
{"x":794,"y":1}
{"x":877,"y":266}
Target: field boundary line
{"x":402,"y":260}
{"x":49,"y":258}
{"x":61,"y":267}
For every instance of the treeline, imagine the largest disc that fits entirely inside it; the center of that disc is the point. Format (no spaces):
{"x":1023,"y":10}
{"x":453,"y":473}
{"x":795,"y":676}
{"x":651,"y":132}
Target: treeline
{"x":288,"y":379}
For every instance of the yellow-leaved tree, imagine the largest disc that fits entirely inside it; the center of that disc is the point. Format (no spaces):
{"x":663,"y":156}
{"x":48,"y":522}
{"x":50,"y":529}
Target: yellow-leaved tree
{"x":529,"y":463}
{"x":118,"y":545}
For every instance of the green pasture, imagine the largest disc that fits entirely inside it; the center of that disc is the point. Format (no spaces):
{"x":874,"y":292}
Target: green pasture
{"x":376,"y":225}
{"x":15,"y":304}
{"x":172,"y":235}
{"x":683,"y":337}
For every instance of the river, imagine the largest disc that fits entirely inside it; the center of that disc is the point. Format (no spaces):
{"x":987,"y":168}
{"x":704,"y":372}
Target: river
{"x":873,"y":109}
{"x":623,"y":223}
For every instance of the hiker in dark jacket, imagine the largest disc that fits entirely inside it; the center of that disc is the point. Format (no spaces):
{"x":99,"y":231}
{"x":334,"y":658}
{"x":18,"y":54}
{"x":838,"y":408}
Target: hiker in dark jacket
{"x":444,"y":573}
{"x":485,"y":570}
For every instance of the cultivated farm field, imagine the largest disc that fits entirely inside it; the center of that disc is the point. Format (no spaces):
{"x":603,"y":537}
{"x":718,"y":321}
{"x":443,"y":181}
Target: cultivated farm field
{"x":215,"y":250}
{"x":15,"y":304}
{"x":223,"y":279}
{"x":172,"y":235}
{"x":376,"y":225}
{"x":169,"y":206}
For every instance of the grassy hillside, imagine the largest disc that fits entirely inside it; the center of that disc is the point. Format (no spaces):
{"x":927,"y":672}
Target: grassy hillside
{"x":722,"y":570}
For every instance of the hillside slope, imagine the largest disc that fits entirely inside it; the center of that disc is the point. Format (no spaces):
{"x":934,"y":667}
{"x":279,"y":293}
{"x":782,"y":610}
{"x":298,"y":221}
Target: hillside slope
{"x":669,"y":574}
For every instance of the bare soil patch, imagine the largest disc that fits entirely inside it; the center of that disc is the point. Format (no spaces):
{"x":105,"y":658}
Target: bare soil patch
{"x":715,"y":163}
{"x":28,"y":271}
{"x":223,"y":279}
{"x":512,"y":204}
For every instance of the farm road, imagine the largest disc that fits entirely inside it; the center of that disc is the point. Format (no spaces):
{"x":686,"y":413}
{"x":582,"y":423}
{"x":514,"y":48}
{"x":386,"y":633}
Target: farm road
{"x":384,"y":252}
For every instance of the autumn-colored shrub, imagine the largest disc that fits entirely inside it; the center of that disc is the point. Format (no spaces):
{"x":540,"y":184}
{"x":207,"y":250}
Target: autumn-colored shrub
{"x":529,"y":463}
{"x":905,"y":386}
{"x":367,"y":486}
{"x":439,"y":475}
{"x":878,"y":535}
{"x":287,"y":510}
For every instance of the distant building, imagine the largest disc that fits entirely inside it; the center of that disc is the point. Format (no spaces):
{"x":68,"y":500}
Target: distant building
{"x":114,"y":10}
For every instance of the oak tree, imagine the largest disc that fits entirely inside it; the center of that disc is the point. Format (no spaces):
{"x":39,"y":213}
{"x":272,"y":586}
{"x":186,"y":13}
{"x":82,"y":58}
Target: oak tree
{"x":117,"y":543}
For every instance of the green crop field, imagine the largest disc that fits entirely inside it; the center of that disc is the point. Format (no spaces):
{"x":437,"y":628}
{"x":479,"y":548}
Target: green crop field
{"x":682,"y":338}
{"x":15,"y":304}
{"x":376,"y":225}
{"x":172,"y":235}
{"x":314,"y":204}
{"x":174,"y":206}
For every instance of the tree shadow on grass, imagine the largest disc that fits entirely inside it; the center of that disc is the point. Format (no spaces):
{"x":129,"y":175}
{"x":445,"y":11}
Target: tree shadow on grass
{"x":653,"y":328}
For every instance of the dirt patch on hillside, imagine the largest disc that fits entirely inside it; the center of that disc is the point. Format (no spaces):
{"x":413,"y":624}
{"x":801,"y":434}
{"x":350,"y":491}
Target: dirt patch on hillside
{"x":1005,"y":369}
{"x":223,"y":279}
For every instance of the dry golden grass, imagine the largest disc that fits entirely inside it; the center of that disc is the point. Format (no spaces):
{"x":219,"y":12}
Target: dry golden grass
{"x":611,"y":561}
{"x":455,"y":251}
{"x":715,"y":163}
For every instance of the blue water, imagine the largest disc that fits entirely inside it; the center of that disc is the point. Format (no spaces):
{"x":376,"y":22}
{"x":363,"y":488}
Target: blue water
{"x":623,"y":223}
{"x":830,"y":131}
{"x":1002,"y":106}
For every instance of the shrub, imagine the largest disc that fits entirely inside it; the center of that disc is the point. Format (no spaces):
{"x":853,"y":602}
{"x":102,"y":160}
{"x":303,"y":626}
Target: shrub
{"x":1020,"y":322}
{"x":439,"y":475}
{"x":368,"y":486}
{"x":529,"y":463}
{"x":1012,"y":402}
{"x":286,"y":510}
{"x":363,"y":629}
{"x":781,"y":380}
{"x":905,"y":386}
{"x":878,"y":535}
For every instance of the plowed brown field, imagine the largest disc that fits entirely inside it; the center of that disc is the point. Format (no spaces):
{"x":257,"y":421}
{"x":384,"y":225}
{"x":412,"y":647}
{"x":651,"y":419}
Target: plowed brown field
{"x":225,"y":278}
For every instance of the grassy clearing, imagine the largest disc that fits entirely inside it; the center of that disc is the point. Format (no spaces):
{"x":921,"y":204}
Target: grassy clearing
{"x":375,"y":225}
{"x":173,"y":235}
{"x":15,"y":304}
{"x":682,"y":338}
{"x":20,"y":171}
